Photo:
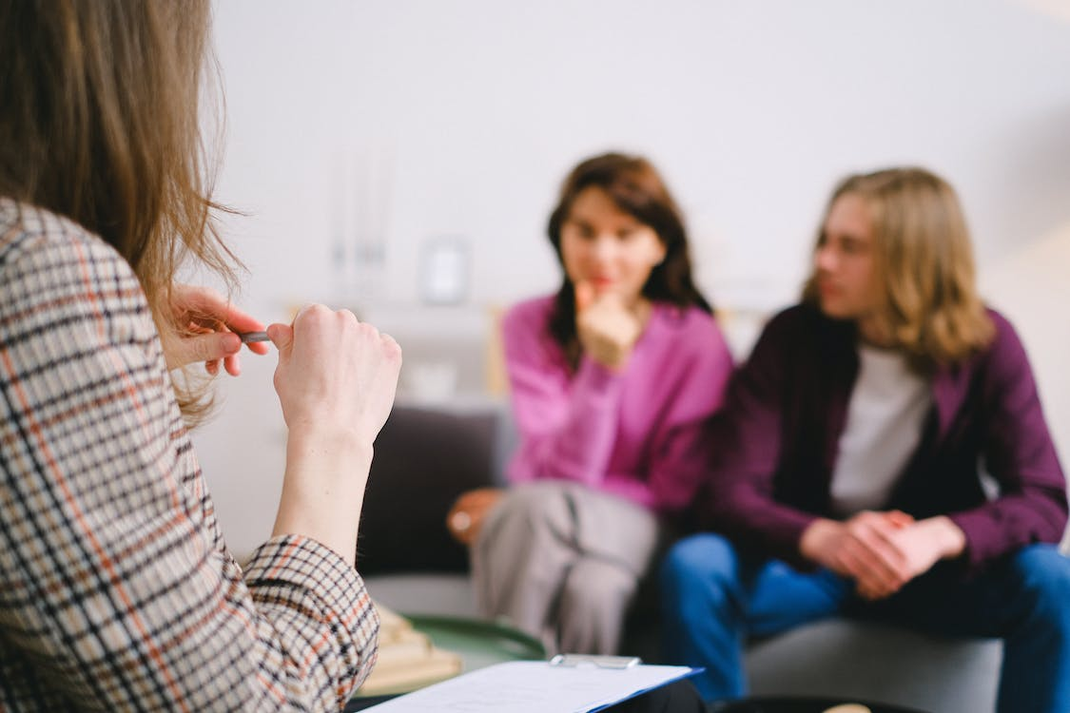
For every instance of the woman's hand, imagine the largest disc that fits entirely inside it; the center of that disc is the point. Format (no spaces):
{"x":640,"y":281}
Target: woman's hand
{"x":606,"y":328}
{"x":335,"y":373}
{"x":465,"y":519}
{"x":336,"y":380}
{"x":202,"y":318}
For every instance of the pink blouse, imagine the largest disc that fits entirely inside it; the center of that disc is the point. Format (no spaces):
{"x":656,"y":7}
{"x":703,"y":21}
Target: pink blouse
{"x":639,"y":434}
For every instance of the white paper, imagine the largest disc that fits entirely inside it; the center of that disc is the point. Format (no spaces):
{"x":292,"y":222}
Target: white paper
{"x":533,"y":687}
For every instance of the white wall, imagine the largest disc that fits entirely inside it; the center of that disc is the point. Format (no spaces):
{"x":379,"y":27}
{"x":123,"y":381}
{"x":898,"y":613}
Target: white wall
{"x":404,"y":120}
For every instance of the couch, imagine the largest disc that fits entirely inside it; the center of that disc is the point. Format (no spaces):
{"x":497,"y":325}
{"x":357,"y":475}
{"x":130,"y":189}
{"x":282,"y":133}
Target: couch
{"x":426,"y":456}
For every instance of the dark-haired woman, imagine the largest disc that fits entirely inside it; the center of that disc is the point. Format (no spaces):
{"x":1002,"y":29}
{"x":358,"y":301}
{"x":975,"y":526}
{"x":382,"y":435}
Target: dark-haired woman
{"x":612,"y":381}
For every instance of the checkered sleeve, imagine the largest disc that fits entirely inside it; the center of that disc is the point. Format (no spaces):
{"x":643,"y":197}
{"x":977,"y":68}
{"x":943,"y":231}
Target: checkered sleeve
{"x":114,"y":593}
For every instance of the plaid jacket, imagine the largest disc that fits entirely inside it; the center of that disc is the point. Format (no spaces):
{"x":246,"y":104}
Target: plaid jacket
{"x":116,"y":590}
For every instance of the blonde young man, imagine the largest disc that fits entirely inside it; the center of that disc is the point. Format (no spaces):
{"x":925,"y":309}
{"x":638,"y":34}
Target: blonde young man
{"x":849,"y":460}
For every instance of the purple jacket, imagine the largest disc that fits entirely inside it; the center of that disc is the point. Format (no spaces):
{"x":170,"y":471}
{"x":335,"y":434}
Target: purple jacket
{"x":776,"y":443}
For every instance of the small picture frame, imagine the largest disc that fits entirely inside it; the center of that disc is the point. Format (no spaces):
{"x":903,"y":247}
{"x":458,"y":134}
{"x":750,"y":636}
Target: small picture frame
{"x":444,"y":270}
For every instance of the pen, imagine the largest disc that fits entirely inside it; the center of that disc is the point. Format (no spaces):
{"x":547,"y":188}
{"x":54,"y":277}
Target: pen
{"x":247,"y":337}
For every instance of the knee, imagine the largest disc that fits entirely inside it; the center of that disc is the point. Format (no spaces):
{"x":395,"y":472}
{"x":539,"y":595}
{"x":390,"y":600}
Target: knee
{"x":594,"y":587}
{"x":701,"y":562}
{"x":538,"y":506}
{"x":1044,"y":574}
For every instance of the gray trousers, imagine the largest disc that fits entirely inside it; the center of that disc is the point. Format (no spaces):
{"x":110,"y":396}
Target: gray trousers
{"x":562,"y":562}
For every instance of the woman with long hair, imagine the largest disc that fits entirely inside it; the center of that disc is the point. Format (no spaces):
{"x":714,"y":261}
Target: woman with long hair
{"x":118,"y":591}
{"x":612,"y":381}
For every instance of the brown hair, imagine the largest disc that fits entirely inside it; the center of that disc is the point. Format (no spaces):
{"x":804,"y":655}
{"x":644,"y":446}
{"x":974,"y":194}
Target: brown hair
{"x":100,"y":124}
{"x":635,"y":187}
{"x":924,"y":259}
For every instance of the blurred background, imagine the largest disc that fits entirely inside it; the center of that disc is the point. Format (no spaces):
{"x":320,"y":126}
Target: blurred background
{"x":401,"y":157}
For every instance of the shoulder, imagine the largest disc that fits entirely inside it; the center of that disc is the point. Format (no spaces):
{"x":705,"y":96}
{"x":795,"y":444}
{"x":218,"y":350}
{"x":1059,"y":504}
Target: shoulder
{"x":799,"y":325}
{"x":800,"y":340}
{"x":1005,"y":336}
{"x":529,"y":318}
{"x":526,"y":335}
{"x":797,"y":319}
{"x":533,"y":308}
{"x":58,"y":275}
{"x":684,"y":319}
{"x":690,"y":329}
{"x":1005,"y":353}
{"x":34,"y":239}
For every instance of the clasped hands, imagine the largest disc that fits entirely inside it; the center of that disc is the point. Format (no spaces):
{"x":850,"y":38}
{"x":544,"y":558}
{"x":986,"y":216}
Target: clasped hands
{"x":881,"y":551}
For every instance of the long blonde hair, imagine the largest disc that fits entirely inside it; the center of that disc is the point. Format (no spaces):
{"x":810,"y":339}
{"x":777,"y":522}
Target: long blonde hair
{"x":930,"y":306}
{"x":100,"y":124}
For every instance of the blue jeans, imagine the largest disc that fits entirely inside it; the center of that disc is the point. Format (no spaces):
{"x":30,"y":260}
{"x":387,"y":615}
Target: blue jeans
{"x":713,"y":600}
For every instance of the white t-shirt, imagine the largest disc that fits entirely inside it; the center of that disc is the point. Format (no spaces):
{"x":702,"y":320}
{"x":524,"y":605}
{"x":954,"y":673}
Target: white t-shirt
{"x":884,"y":421}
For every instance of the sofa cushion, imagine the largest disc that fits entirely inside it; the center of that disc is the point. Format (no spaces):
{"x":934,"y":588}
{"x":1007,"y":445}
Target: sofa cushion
{"x":868,"y":660}
{"x":423,"y":460}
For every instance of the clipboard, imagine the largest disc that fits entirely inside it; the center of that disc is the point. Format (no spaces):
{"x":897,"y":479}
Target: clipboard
{"x":570,"y":686}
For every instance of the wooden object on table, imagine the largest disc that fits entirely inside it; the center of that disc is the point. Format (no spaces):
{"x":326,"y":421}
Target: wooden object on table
{"x":407,"y":658}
